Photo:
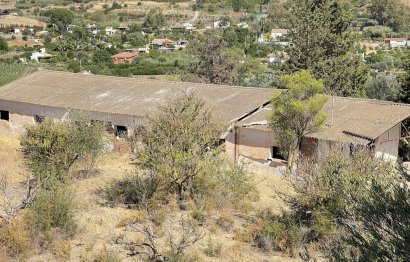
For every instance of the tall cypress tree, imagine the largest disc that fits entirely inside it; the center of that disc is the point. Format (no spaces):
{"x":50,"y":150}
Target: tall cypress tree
{"x":322,"y":42}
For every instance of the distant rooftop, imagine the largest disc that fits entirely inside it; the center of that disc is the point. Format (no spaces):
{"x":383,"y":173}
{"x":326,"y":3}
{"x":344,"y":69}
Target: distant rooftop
{"x":124,"y":55}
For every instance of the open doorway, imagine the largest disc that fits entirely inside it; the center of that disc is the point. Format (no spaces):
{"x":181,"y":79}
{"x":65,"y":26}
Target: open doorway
{"x":121,"y":131}
{"x":275,"y":153}
{"x":4,"y":115}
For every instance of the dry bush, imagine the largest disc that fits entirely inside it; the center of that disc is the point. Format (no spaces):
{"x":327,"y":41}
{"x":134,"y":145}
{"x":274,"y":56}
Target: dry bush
{"x":61,"y":249}
{"x":133,"y":189}
{"x":15,"y":239}
{"x":213,"y":248}
{"x":226,"y":221}
{"x":105,"y":256}
{"x":249,"y":233}
{"x":179,"y":238}
{"x":136,"y":217}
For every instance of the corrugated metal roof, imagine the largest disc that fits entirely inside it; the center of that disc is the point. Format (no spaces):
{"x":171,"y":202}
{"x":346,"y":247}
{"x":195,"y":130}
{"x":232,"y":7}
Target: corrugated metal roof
{"x":128,"y":96}
{"x":359,"y":120}
{"x":349,"y":120}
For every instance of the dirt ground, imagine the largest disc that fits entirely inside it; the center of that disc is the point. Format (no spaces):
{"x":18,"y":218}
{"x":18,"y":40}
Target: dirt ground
{"x":20,"y":20}
{"x":101,"y":228}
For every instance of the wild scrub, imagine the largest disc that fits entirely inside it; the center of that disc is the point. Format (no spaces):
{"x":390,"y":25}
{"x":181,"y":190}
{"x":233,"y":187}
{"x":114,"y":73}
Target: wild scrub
{"x":177,"y":154}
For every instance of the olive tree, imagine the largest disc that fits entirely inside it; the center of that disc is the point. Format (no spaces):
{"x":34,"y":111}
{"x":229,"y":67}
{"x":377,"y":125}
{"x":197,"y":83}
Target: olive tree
{"x":383,"y":86}
{"x":52,"y":147}
{"x":297,"y":111}
{"x":176,"y":142}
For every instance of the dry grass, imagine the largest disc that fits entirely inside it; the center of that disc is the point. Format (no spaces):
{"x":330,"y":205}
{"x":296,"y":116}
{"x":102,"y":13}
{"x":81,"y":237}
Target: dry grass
{"x":20,"y":20}
{"x":10,"y":159}
{"x":102,"y":230}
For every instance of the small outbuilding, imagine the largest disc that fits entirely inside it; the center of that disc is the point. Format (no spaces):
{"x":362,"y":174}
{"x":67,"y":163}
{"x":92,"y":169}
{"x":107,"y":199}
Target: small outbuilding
{"x":351,"y":123}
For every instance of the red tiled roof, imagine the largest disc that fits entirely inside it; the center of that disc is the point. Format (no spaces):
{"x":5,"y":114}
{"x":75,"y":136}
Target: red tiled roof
{"x":395,"y":38}
{"x":124,"y":55}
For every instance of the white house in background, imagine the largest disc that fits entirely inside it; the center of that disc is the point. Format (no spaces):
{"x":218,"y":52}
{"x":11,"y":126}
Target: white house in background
{"x":396,"y":42}
{"x":184,"y":26}
{"x":143,"y":50}
{"x":181,"y":44}
{"x":188,"y":26}
{"x":110,"y":31}
{"x":276,"y":33}
{"x":17,"y":30}
{"x":36,"y":56}
{"x":243,"y":25}
{"x":275,"y":59}
{"x":222,"y":24}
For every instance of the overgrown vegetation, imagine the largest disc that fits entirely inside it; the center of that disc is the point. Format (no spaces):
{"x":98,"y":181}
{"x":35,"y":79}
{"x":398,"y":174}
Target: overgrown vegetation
{"x":297,"y":111}
{"x":341,"y":203}
{"x":50,"y":149}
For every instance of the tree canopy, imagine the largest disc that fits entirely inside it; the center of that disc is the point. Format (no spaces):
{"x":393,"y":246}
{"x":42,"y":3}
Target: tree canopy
{"x":297,"y":111}
{"x":3,"y":44}
{"x":322,"y":42}
{"x":60,"y":17}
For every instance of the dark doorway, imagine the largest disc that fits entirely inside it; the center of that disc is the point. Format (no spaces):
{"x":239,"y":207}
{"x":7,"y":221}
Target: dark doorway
{"x":121,"y":131}
{"x":38,"y":119}
{"x":4,"y":115}
{"x":275,"y":153}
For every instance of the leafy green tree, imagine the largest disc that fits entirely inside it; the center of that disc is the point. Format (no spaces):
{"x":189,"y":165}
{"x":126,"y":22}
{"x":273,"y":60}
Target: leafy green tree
{"x":376,"y":31}
{"x":155,"y":19}
{"x":214,"y":62}
{"x":3,"y":44}
{"x":297,"y":111}
{"x":51,"y":148}
{"x":344,"y":76}
{"x":176,"y":143}
{"x":253,"y":73}
{"x":378,"y":228}
{"x":322,"y":42}
{"x":61,"y":18}
{"x":405,"y":96}
{"x":101,"y":56}
{"x":390,"y":13}
{"x":383,"y":86}
{"x":237,"y":5}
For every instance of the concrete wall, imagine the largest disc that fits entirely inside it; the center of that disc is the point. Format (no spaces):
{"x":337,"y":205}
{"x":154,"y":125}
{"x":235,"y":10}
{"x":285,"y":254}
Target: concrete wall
{"x":250,"y":143}
{"x":20,"y":109}
{"x":387,"y":145}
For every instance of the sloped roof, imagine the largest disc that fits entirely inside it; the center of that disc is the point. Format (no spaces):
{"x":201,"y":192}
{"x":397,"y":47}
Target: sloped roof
{"x":160,"y":41}
{"x":395,"y":39}
{"x":124,"y":55}
{"x":349,"y":120}
{"x":127,"y":96}
{"x":279,"y":30}
{"x":359,"y":121}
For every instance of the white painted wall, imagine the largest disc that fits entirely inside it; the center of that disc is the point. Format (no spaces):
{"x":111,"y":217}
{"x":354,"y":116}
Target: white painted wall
{"x":389,"y":150}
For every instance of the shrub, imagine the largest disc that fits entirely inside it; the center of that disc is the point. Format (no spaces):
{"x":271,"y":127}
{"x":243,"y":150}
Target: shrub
{"x":226,"y":221}
{"x":74,"y":67}
{"x":282,"y":234}
{"x":50,"y":149}
{"x":237,"y":182}
{"x":199,"y":216}
{"x":15,"y":239}
{"x":132,"y":190}
{"x":53,"y":208}
{"x":322,"y":225}
{"x":213,"y":249}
